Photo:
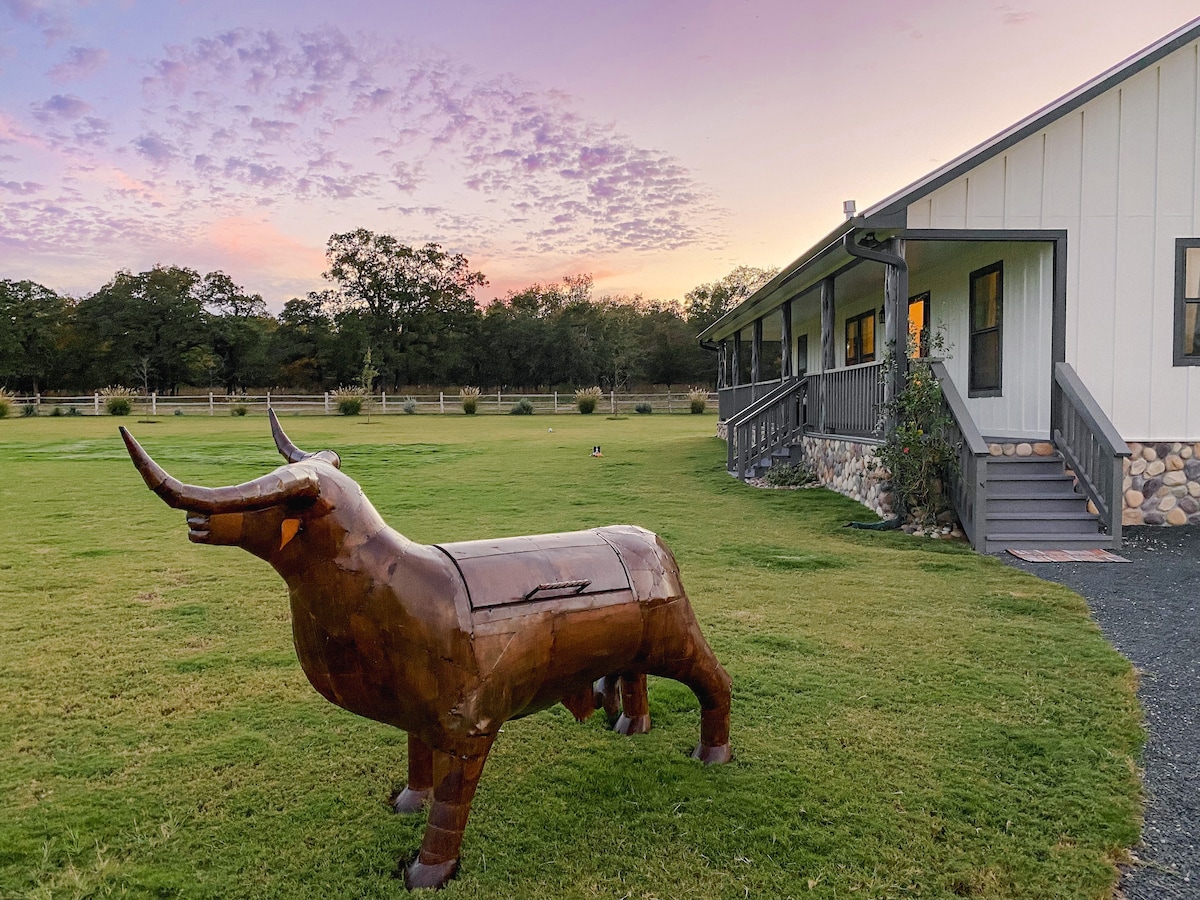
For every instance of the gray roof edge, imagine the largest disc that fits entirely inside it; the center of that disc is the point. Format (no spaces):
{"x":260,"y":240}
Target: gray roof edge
{"x":1038,"y":120}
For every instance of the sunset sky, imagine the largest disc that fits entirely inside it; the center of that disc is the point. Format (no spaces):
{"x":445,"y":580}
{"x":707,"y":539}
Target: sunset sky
{"x":655,"y":145}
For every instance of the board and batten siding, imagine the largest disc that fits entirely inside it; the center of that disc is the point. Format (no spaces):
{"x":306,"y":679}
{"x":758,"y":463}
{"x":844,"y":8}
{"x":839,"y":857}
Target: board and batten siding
{"x":1121,"y":174}
{"x":1023,"y":408}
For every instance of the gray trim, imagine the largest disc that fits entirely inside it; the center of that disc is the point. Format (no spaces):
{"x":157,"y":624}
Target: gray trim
{"x":983,"y":234}
{"x":1178,"y":357}
{"x":1047,"y":115}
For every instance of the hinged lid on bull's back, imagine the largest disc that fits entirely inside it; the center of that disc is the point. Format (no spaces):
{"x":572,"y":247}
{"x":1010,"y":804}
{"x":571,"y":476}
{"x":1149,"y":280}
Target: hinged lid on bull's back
{"x":540,"y":567}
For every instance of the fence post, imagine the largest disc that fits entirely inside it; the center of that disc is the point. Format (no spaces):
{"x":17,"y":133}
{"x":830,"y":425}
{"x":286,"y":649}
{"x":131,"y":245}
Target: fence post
{"x":556,"y":401}
{"x":268,"y":400}
{"x":327,"y":403}
{"x":154,"y":403}
{"x":612,"y":402}
{"x":442,"y":402}
{"x":383,"y":400}
{"x":96,"y":402}
{"x":668,"y":401}
{"x":210,"y":403}
{"x":499,"y":402}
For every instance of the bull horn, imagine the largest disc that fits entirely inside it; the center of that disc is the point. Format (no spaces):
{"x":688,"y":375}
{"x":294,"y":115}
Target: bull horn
{"x":291,"y":452}
{"x":268,"y":490}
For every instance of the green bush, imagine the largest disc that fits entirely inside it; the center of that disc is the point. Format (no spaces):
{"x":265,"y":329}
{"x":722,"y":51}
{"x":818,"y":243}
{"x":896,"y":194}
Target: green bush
{"x":74,"y":411}
{"x":410,"y":406}
{"x":57,"y":411}
{"x":239,"y":409}
{"x":29,"y":410}
{"x":697,"y":400}
{"x":523,"y":407}
{"x":469,"y":397}
{"x":643,"y":408}
{"x":5,"y":407}
{"x":350,"y":406}
{"x":785,"y":475}
{"x":587,"y":398}
{"x":178,"y":412}
{"x":118,"y":406}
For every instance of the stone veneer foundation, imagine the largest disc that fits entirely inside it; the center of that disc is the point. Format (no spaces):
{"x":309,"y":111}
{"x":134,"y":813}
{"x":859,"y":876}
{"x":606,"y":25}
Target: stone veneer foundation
{"x":848,"y":467}
{"x":1162,"y":483}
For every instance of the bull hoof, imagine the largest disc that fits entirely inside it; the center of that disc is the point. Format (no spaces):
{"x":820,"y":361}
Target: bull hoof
{"x":712,"y":756}
{"x":410,"y":801}
{"x":635,"y":725}
{"x":426,"y":875}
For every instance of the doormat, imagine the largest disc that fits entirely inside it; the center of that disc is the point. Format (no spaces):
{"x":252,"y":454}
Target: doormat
{"x":1102,"y":556}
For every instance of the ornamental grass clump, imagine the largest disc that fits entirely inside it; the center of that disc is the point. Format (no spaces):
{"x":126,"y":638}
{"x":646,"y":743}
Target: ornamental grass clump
{"x":469,"y":398}
{"x":787,"y":475}
{"x":6,"y":403}
{"x":587,"y":398}
{"x":409,"y":405}
{"x":349,"y":400}
{"x":118,"y":400}
{"x":523,"y":407}
{"x":643,"y":408}
{"x":697,"y":400}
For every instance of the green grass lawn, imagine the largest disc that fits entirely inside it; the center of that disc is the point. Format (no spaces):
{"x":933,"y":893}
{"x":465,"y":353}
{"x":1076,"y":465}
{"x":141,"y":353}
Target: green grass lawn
{"x":909,"y":720}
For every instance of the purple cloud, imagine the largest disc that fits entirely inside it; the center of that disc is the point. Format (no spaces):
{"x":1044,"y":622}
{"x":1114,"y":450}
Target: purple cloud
{"x":156,"y":148}
{"x":80,"y":62}
{"x":21,"y":187}
{"x":62,"y":107}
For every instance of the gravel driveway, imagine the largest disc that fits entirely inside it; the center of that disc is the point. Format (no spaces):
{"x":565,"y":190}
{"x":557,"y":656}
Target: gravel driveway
{"x":1150,"y":610}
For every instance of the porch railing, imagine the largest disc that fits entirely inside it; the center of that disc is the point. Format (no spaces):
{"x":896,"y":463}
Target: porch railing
{"x":968,"y":485}
{"x":1090,"y":445}
{"x":765,"y":425}
{"x":733,"y":400}
{"x":845,"y":401}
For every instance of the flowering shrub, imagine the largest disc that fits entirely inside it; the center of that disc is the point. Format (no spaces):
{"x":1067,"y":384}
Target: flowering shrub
{"x":917,"y":456}
{"x":349,"y":400}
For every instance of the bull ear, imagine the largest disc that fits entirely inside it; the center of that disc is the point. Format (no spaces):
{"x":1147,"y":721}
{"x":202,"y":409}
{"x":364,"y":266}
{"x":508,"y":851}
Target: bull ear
{"x":269,"y":490}
{"x":291,"y":452}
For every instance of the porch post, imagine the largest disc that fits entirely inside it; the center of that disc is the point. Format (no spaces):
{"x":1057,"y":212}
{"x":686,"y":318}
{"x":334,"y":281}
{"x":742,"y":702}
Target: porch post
{"x":735,"y":370}
{"x":785,"y":341}
{"x":828,"y":345}
{"x":722,"y":352}
{"x":895,"y":326}
{"x":756,"y":339}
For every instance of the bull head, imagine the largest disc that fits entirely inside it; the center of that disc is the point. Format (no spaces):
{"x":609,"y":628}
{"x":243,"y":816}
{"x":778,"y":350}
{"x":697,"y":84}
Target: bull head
{"x":265,"y":515}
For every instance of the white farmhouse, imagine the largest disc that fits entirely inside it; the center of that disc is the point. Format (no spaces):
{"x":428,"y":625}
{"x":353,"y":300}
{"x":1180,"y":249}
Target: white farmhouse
{"x":1061,"y":260}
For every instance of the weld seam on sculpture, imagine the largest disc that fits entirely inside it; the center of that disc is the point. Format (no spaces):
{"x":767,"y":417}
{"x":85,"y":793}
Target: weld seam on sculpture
{"x":450,"y":641}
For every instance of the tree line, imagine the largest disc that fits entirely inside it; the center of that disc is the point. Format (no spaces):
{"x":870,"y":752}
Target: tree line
{"x":413,"y":309}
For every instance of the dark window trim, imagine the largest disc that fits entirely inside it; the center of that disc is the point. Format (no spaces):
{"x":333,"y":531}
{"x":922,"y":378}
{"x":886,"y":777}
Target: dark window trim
{"x":1181,"y":247}
{"x":862,"y":357}
{"x":972,"y":391}
{"x":923,"y":337}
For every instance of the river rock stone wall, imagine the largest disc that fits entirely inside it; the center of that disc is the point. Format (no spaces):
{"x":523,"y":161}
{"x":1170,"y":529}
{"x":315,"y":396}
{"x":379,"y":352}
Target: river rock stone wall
{"x":848,"y":467}
{"x":1162,"y":483}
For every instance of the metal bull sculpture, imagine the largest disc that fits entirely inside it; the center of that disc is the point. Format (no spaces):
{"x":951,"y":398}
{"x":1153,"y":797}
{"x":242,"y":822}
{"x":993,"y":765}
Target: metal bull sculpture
{"x":449,"y":641}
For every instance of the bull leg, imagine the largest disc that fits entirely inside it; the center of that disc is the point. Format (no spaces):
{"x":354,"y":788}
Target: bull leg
{"x":635,"y":706}
{"x":455,"y":779}
{"x":608,"y":697}
{"x":420,"y":778}
{"x":711,"y":685}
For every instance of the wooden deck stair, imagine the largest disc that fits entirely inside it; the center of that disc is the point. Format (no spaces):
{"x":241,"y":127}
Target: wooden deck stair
{"x":1033,"y":504}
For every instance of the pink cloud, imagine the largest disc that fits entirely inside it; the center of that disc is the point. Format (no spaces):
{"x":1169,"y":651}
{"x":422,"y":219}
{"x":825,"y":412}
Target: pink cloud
{"x":259,"y":246}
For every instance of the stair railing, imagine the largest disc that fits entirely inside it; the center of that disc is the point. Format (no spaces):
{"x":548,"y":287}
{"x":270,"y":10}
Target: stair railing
{"x":968,"y":485}
{"x":764,"y":426}
{"x":1091,"y":446}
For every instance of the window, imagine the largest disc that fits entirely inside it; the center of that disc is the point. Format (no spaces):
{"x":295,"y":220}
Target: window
{"x":802,"y":356}
{"x":860,"y":338}
{"x":987,"y":316}
{"x":918,"y":325}
{"x":1187,"y":302}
